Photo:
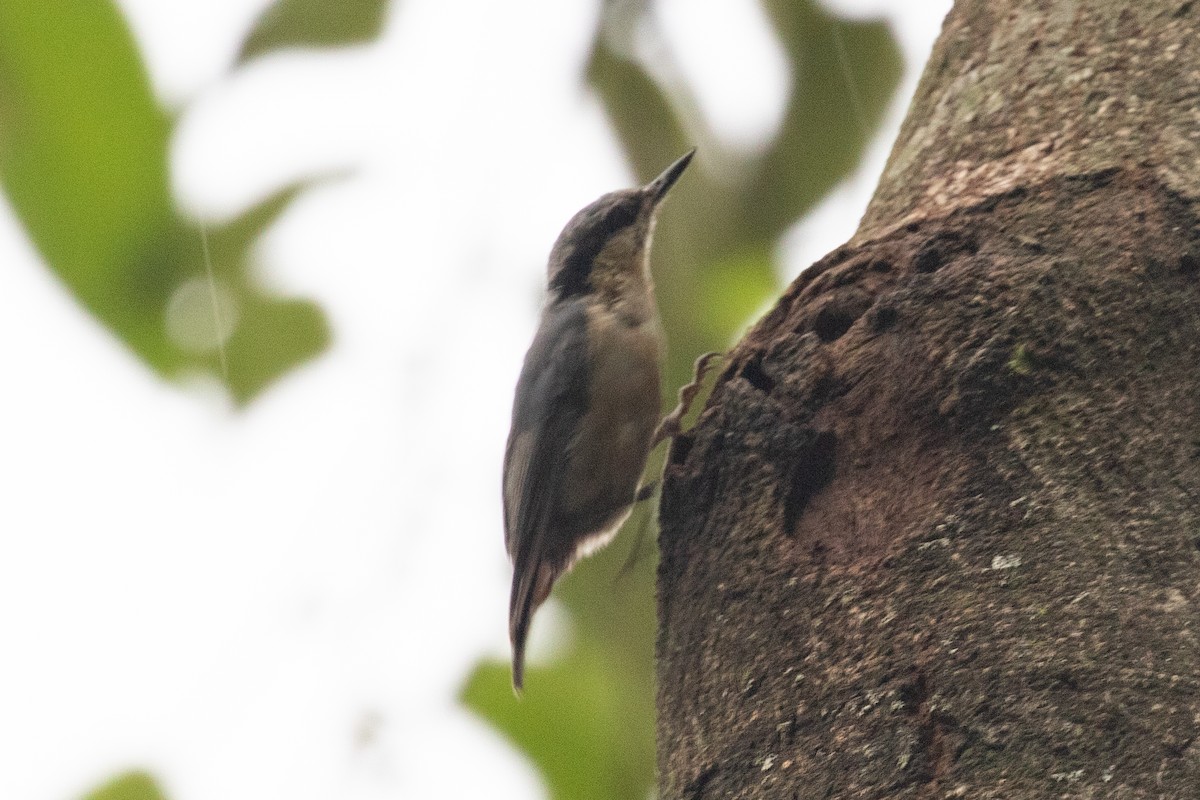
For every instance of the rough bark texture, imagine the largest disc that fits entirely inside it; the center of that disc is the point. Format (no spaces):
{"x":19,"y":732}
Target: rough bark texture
{"x":937,"y":532}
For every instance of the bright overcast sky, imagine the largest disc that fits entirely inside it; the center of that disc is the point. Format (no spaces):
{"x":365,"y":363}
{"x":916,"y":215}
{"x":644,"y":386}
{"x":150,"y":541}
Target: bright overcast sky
{"x":283,"y":602}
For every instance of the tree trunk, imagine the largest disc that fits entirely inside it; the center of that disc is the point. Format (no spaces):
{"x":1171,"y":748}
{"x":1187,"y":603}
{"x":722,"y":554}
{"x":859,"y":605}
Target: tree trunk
{"x":937,"y":532}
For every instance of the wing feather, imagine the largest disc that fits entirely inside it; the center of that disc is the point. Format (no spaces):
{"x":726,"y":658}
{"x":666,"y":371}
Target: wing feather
{"x":550,"y":401}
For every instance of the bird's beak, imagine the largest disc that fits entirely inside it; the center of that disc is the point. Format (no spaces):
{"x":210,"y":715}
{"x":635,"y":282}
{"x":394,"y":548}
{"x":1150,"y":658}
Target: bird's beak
{"x":656,"y":189}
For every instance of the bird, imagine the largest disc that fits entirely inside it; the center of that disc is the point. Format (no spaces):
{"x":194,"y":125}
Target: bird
{"x":588,"y":399}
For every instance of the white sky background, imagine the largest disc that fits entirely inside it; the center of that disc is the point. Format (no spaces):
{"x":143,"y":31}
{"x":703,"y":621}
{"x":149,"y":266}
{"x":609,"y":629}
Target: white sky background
{"x":283,"y":602}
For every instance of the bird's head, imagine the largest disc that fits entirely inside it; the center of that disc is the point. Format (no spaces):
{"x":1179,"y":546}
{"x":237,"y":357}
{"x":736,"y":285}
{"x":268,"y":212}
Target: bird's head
{"x":607,"y":243}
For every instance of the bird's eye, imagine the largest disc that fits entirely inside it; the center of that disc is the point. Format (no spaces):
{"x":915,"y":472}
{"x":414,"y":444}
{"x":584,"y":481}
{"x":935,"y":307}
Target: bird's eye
{"x":620,"y":215}
{"x":586,"y":236}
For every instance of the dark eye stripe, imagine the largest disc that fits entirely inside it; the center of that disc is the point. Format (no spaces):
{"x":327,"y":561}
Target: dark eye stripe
{"x":588,"y":240}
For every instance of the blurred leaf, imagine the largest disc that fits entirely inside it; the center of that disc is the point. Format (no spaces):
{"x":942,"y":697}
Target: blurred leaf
{"x":847,"y":72}
{"x":83,"y":157}
{"x":587,"y":720}
{"x":732,"y":291}
{"x":573,"y":723}
{"x":314,"y":23}
{"x":636,"y":104}
{"x":130,"y":786}
{"x":714,"y":265}
{"x":295,"y":329}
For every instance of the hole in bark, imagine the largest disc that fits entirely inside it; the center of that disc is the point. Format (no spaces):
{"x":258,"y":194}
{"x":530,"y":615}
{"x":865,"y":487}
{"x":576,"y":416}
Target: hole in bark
{"x":832,"y":322}
{"x":881,"y":317}
{"x":914,"y":693}
{"x":881,"y":265}
{"x":930,"y":260}
{"x":753,"y":372}
{"x":812,"y":473}
{"x":1184,"y":9}
{"x":942,"y":249}
{"x":681,"y":448}
{"x":695,"y":787}
{"x":836,"y":257}
{"x":1094,"y":180}
{"x":1062,"y":678}
{"x":1189,"y":264}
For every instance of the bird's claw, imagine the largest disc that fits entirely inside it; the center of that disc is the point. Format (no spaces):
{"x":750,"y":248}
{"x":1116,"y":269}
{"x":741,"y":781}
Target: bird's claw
{"x":672,"y":424}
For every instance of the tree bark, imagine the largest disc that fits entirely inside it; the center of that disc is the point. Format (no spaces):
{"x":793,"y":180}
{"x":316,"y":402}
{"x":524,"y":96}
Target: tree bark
{"x":937,"y":531}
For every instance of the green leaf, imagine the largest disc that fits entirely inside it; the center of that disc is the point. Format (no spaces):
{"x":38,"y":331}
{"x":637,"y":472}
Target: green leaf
{"x":732,"y":291}
{"x":130,"y":786}
{"x":587,"y":720}
{"x":272,"y":336}
{"x":846,"y":73}
{"x":83,"y":158}
{"x":314,"y":23}
{"x":574,"y":721}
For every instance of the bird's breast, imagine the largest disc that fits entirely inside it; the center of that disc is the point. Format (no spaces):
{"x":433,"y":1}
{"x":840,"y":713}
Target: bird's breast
{"x":624,"y":401}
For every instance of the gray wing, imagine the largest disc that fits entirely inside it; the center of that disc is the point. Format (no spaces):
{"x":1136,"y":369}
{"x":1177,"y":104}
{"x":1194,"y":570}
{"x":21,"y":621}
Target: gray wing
{"x":551,"y":400}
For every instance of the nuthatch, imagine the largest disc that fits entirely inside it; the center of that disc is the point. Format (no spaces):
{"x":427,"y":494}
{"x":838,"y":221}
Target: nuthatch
{"x":588,"y":399}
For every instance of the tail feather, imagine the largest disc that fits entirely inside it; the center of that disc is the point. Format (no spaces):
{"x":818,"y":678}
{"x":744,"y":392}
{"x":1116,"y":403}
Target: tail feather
{"x":530,"y":589}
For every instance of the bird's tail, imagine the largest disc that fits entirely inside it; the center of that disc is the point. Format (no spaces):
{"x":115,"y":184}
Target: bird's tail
{"x":531,"y":587}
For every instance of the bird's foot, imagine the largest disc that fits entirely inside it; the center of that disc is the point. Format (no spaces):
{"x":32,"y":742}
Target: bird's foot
{"x":672,"y":424}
